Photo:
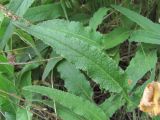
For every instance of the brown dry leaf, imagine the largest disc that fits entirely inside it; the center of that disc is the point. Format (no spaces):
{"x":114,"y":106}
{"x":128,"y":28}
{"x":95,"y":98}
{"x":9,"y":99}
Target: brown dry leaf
{"x":150,"y":101}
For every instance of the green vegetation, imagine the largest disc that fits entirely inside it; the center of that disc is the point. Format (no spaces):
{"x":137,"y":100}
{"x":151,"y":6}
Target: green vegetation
{"x":77,"y":59}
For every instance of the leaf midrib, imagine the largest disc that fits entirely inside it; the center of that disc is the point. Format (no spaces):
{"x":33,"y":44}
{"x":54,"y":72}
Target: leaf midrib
{"x":79,"y":36}
{"x":98,"y":65}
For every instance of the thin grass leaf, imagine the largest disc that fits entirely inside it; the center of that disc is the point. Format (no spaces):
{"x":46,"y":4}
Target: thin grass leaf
{"x":144,"y":22}
{"x":145,"y":37}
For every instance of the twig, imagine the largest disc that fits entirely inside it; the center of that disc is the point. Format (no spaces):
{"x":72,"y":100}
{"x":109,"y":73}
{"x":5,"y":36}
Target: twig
{"x":30,"y":62}
{"x":13,"y":50}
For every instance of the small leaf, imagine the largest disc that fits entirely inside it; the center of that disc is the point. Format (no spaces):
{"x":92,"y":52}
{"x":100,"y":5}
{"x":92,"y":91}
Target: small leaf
{"x":78,"y":105}
{"x":50,"y":65}
{"x":115,"y":37}
{"x":113,"y":103}
{"x":98,"y":18}
{"x":75,"y":81}
{"x":141,"y":64}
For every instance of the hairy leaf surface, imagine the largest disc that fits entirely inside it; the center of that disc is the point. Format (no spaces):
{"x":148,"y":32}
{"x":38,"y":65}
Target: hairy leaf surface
{"x":75,"y":81}
{"x":100,"y":67}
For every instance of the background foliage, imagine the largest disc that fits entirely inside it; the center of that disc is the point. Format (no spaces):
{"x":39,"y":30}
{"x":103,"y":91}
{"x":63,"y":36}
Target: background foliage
{"x":77,"y":59}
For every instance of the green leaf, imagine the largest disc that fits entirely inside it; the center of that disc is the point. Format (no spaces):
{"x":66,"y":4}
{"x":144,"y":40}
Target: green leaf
{"x":144,"y":22}
{"x":9,"y":116}
{"x":7,"y":69}
{"x":28,"y":40}
{"x":19,"y":7}
{"x":75,"y":81}
{"x":71,"y":45}
{"x":44,"y":12}
{"x":112,"y":104}
{"x":6,"y":85}
{"x":24,"y":76}
{"x":63,"y":112}
{"x":78,"y":105}
{"x":145,"y":37}
{"x":75,"y":30}
{"x":143,"y":61}
{"x":50,"y":65}
{"x":23,"y":114}
{"x":7,"y":102}
{"x":136,"y":94}
{"x":98,"y":18}
{"x":1,"y":18}
{"x":115,"y":37}
{"x":66,"y":114}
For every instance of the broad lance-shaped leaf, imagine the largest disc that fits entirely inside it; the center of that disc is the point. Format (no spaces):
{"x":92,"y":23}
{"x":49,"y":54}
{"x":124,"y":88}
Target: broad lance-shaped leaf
{"x":75,"y":81}
{"x":78,"y":105}
{"x":19,"y":7}
{"x":145,"y":37}
{"x":100,"y":67}
{"x":98,"y":18}
{"x":141,"y":64}
{"x":144,"y":22}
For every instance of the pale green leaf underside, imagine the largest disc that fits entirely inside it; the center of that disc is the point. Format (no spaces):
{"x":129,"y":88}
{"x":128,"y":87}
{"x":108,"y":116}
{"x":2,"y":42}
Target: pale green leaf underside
{"x":78,"y":105}
{"x":101,"y":68}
